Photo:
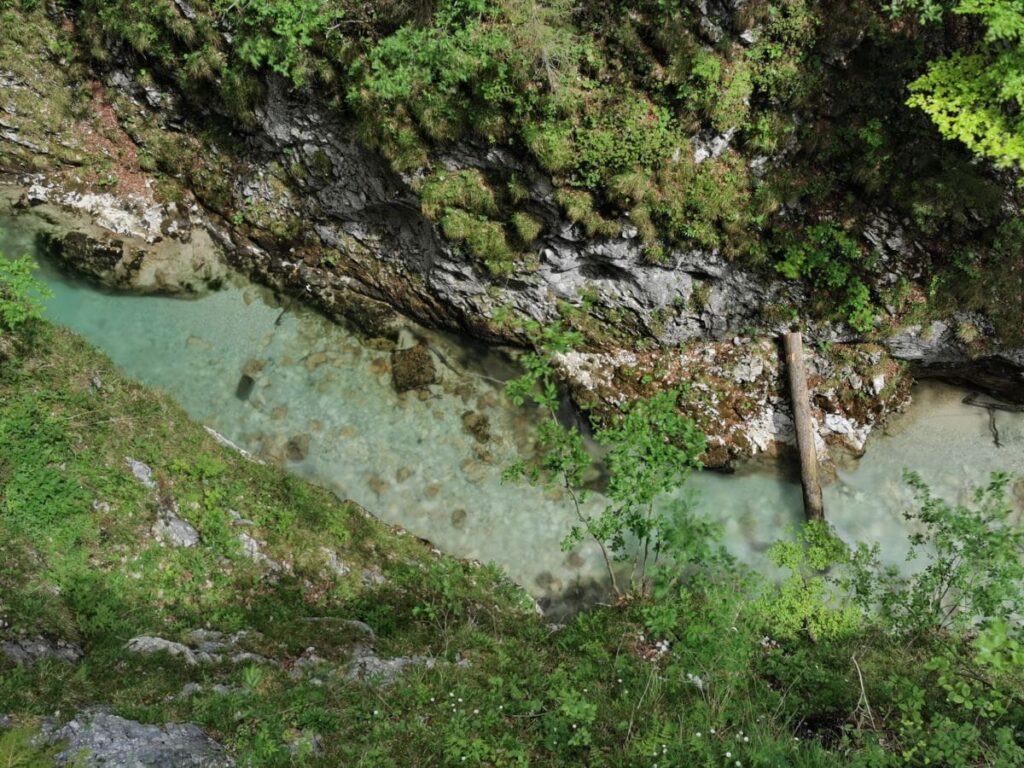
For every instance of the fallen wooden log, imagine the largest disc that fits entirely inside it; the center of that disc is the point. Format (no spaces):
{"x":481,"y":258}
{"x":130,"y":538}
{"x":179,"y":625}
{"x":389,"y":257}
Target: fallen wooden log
{"x":814,"y":507}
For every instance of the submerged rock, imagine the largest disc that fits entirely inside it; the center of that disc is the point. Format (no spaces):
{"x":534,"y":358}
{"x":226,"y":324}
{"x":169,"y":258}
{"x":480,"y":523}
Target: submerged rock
{"x":28,"y":651}
{"x":245,"y":386}
{"x":478,"y":425}
{"x":297,"y":447}
{"x":413,"y":368}
{"x":96,"y":737}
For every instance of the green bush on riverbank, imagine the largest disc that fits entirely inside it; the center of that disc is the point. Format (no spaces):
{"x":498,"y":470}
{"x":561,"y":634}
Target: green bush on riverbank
{"x":714,"y":667}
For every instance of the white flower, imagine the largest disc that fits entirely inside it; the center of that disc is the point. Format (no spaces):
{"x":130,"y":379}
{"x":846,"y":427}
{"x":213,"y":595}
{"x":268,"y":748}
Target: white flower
{"x":728,"y":754}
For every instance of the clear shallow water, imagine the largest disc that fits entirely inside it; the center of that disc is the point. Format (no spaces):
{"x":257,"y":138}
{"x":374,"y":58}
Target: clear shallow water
{"x":408,"y":459}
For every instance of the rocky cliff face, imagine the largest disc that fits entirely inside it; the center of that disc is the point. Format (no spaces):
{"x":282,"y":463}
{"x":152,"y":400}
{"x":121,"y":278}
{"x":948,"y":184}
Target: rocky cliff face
{"x":298,"y":203}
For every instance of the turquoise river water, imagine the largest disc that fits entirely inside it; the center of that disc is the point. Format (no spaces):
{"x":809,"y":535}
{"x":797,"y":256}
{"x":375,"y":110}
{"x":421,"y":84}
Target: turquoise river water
{"x":408,"y":459}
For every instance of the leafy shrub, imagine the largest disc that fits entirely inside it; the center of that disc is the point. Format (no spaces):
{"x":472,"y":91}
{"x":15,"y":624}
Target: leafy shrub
{"x":651,"y":450}
{"x":832,"y":261}
{"x":281,"y":34}
{"x":20,"y":293}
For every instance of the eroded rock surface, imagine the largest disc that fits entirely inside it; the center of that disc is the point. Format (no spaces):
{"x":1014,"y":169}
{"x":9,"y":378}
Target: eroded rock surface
{"x":28,"y":651}
{"x":95,"y":737}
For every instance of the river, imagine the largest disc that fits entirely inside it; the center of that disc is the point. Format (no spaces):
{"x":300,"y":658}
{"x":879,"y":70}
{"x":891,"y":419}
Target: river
{"x":409,"y":460}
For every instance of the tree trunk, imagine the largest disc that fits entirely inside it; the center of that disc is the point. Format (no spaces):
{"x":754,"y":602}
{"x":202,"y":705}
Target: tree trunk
{"x":814,"y":508}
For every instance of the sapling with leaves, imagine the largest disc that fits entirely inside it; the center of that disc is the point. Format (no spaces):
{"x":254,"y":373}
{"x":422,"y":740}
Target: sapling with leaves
{"x":651,"y":451}
{"x":20,"y":293}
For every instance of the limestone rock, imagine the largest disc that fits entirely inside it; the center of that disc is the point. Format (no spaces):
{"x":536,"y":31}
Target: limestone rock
{"x":254,"y":551}
{"x":142,"y":472}
{"x":146,"y":644}
{"x":334,"y":563}
{"x":95,"y":737}
{"x":171,"y":528}
{"x":367,"y":666}
{"x":27,"y":651}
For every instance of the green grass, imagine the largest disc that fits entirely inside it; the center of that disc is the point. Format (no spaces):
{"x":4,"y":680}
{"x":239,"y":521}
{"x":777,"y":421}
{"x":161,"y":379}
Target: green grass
{"x":81,"y":564}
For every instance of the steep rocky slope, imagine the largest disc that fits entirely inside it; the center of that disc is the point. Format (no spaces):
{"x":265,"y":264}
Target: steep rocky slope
{"x":297,"y":200}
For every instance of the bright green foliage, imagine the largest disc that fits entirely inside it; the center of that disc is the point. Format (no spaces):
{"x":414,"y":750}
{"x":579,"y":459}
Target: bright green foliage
{"x":461,"y":189}
{"x":694,"y":673}
{"x":831,"y":260}
{"x":806,"y":600}
{"x":977,"y":96}
{"x":651,"y":451}
{"x":18,"y":750}
{"x":627,"y":134}
{"x":974,"y":570}
{"x":483,"y":238}
{"x":20,"y":293}
{"x":280,"y":34}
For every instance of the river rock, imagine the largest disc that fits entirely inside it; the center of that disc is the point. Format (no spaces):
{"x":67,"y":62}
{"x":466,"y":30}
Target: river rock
{"x":28,"y":651}
{"x":478,"y":425}
{"x":163,"y":266}
{"x":95,"y":737}
{"x":297,"y":448}
{"x":246,"y":384}
{"x":413,"y":368}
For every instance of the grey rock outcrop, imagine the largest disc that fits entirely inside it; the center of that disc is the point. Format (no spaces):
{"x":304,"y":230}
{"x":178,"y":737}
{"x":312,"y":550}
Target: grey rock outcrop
{"x":203,"y":647}
{"x":147,"y":644}
{"x":171,"y":528}
{"x":28,"y":651}
{"x":366,"y":666}
{"x":95,"y":737}
{"x":126,"y":243}
{"x":141,"y":472}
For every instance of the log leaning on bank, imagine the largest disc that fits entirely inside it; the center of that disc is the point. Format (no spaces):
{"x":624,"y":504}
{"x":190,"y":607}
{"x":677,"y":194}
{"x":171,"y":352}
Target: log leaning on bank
{"x":814,"y":507}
